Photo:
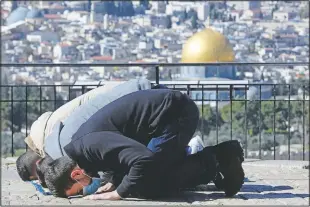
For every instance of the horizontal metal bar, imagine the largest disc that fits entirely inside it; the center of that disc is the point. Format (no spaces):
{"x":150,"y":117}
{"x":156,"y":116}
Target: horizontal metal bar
{"x":248,"y":100}
{"x":149,"y":64}
{"x":163,"y":83}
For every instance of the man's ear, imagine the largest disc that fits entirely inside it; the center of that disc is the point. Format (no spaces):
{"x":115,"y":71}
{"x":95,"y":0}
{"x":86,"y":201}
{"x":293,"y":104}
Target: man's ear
{"x":76,"y":174}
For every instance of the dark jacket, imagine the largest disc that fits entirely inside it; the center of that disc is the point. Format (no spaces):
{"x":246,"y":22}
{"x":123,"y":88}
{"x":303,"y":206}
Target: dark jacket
{"x":115,"y":137}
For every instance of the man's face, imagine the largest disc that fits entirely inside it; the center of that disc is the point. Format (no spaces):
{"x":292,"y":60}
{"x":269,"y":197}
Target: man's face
{"x":33,"y":173}
{"x":75,"y":189}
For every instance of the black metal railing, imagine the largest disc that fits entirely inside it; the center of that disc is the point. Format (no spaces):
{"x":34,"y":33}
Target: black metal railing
{"x":270,"y":120}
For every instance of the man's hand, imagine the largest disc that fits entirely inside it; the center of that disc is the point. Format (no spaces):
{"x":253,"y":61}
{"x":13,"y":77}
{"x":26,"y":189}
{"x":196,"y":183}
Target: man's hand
{"x":106,"y":188}
{"x":104,"y":196}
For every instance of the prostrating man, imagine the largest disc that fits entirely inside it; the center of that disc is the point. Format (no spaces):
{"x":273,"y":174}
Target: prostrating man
{"x":55,"y":129}
{"x":143,"y":136}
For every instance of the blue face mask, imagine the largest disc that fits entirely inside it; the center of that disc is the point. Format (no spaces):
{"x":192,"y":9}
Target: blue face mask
{"x":95,"y":184}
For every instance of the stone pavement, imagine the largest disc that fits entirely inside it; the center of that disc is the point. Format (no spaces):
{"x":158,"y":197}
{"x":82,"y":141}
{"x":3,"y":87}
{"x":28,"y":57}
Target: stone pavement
{"x":267,"y":183}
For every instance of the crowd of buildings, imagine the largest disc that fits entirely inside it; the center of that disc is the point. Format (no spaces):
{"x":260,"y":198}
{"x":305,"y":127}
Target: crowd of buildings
{"x":79,"y":32}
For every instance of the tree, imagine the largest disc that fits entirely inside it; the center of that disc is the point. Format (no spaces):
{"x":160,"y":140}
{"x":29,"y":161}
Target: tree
{"x":151,"y":74}
{"x":209,"y":119}
{"x":14,"y":114}
{"x":6,"y":143}
{"x":260,"y":117}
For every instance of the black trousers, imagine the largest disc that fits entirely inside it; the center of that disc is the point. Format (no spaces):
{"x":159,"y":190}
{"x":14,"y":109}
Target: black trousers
{"x":199,"y":168}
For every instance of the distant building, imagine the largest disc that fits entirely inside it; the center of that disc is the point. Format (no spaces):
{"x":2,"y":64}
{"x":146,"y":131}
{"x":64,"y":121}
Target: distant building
{"x":43,"y":36}
{"x":244,"y":5}
{"x":211,"y":46}
{"x":283,"y":15}
{"x":203,"y":11}
{"x":159,"y":6}
{"x":143,"y":45}
{"x":62,"y":51}
{"x":23,"y":13}
{"x":105,"y":22}
{"x":208,"y":46}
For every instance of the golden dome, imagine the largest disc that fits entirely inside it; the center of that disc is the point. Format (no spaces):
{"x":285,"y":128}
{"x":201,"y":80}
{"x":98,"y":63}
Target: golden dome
{"x":207,"y":46}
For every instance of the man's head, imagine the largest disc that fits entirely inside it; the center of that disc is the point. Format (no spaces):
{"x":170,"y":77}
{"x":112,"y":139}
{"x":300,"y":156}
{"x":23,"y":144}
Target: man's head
{"x":26,"y":165}
{"x":64,"y":178}
{"x":41,"y":166}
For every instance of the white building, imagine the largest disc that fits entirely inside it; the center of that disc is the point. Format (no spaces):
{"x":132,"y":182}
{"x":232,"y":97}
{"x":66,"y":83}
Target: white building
{"x":244,"y":5}
{"x":143,"y":21}
{"x":145,"y":45}
{"x":158,"y":43}
{"x":77,"y":16}
{"x":203,"y":11}
{"x":281,"y":16}
{"x":44,"y":49}
{"x":34,"y":38}
{"x":105,"y":21}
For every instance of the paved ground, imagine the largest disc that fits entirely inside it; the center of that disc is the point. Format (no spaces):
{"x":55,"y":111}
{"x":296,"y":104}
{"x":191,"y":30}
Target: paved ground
{"x":267,"y":183}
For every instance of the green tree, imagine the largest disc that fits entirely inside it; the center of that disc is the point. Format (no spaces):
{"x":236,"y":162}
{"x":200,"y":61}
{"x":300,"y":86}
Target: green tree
{"x":151,"y":74}
{"x":6,"y":143}
{"x":209,"y":119}
{"x":265,"y":116}
{"x":14,"y":113}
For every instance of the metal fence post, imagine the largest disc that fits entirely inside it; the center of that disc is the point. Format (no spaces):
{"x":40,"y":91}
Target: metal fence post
{"x":157,"y":73}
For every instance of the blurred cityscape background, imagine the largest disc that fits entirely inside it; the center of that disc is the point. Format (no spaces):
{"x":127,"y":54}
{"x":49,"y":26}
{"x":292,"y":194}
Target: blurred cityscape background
{"x":92,"y":32}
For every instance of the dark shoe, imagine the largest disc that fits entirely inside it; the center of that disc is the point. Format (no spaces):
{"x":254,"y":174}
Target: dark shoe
{"x":219,"y":181}
{"x":230,"y":157}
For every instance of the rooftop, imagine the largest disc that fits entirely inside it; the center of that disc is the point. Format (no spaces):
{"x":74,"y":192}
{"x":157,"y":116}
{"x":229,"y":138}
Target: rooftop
{"x":268,"y":182}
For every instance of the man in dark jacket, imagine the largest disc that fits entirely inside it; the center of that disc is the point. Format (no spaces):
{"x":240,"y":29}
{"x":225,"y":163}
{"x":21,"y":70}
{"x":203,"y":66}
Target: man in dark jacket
{"x":143,"y":136}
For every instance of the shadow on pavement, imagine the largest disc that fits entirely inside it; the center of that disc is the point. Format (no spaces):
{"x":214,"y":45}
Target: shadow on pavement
{"x":263,"y":188}
{"x":273,"y":196}
{"x":200,"y":197}
{"x":250,"y":188}
{"x":247,"y":196}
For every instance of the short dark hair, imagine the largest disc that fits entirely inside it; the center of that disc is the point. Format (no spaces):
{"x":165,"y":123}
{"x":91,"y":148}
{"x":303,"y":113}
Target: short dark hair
{"x":41,"y":167}
{"x":24,"y":164}
{"x":57,"y":176}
